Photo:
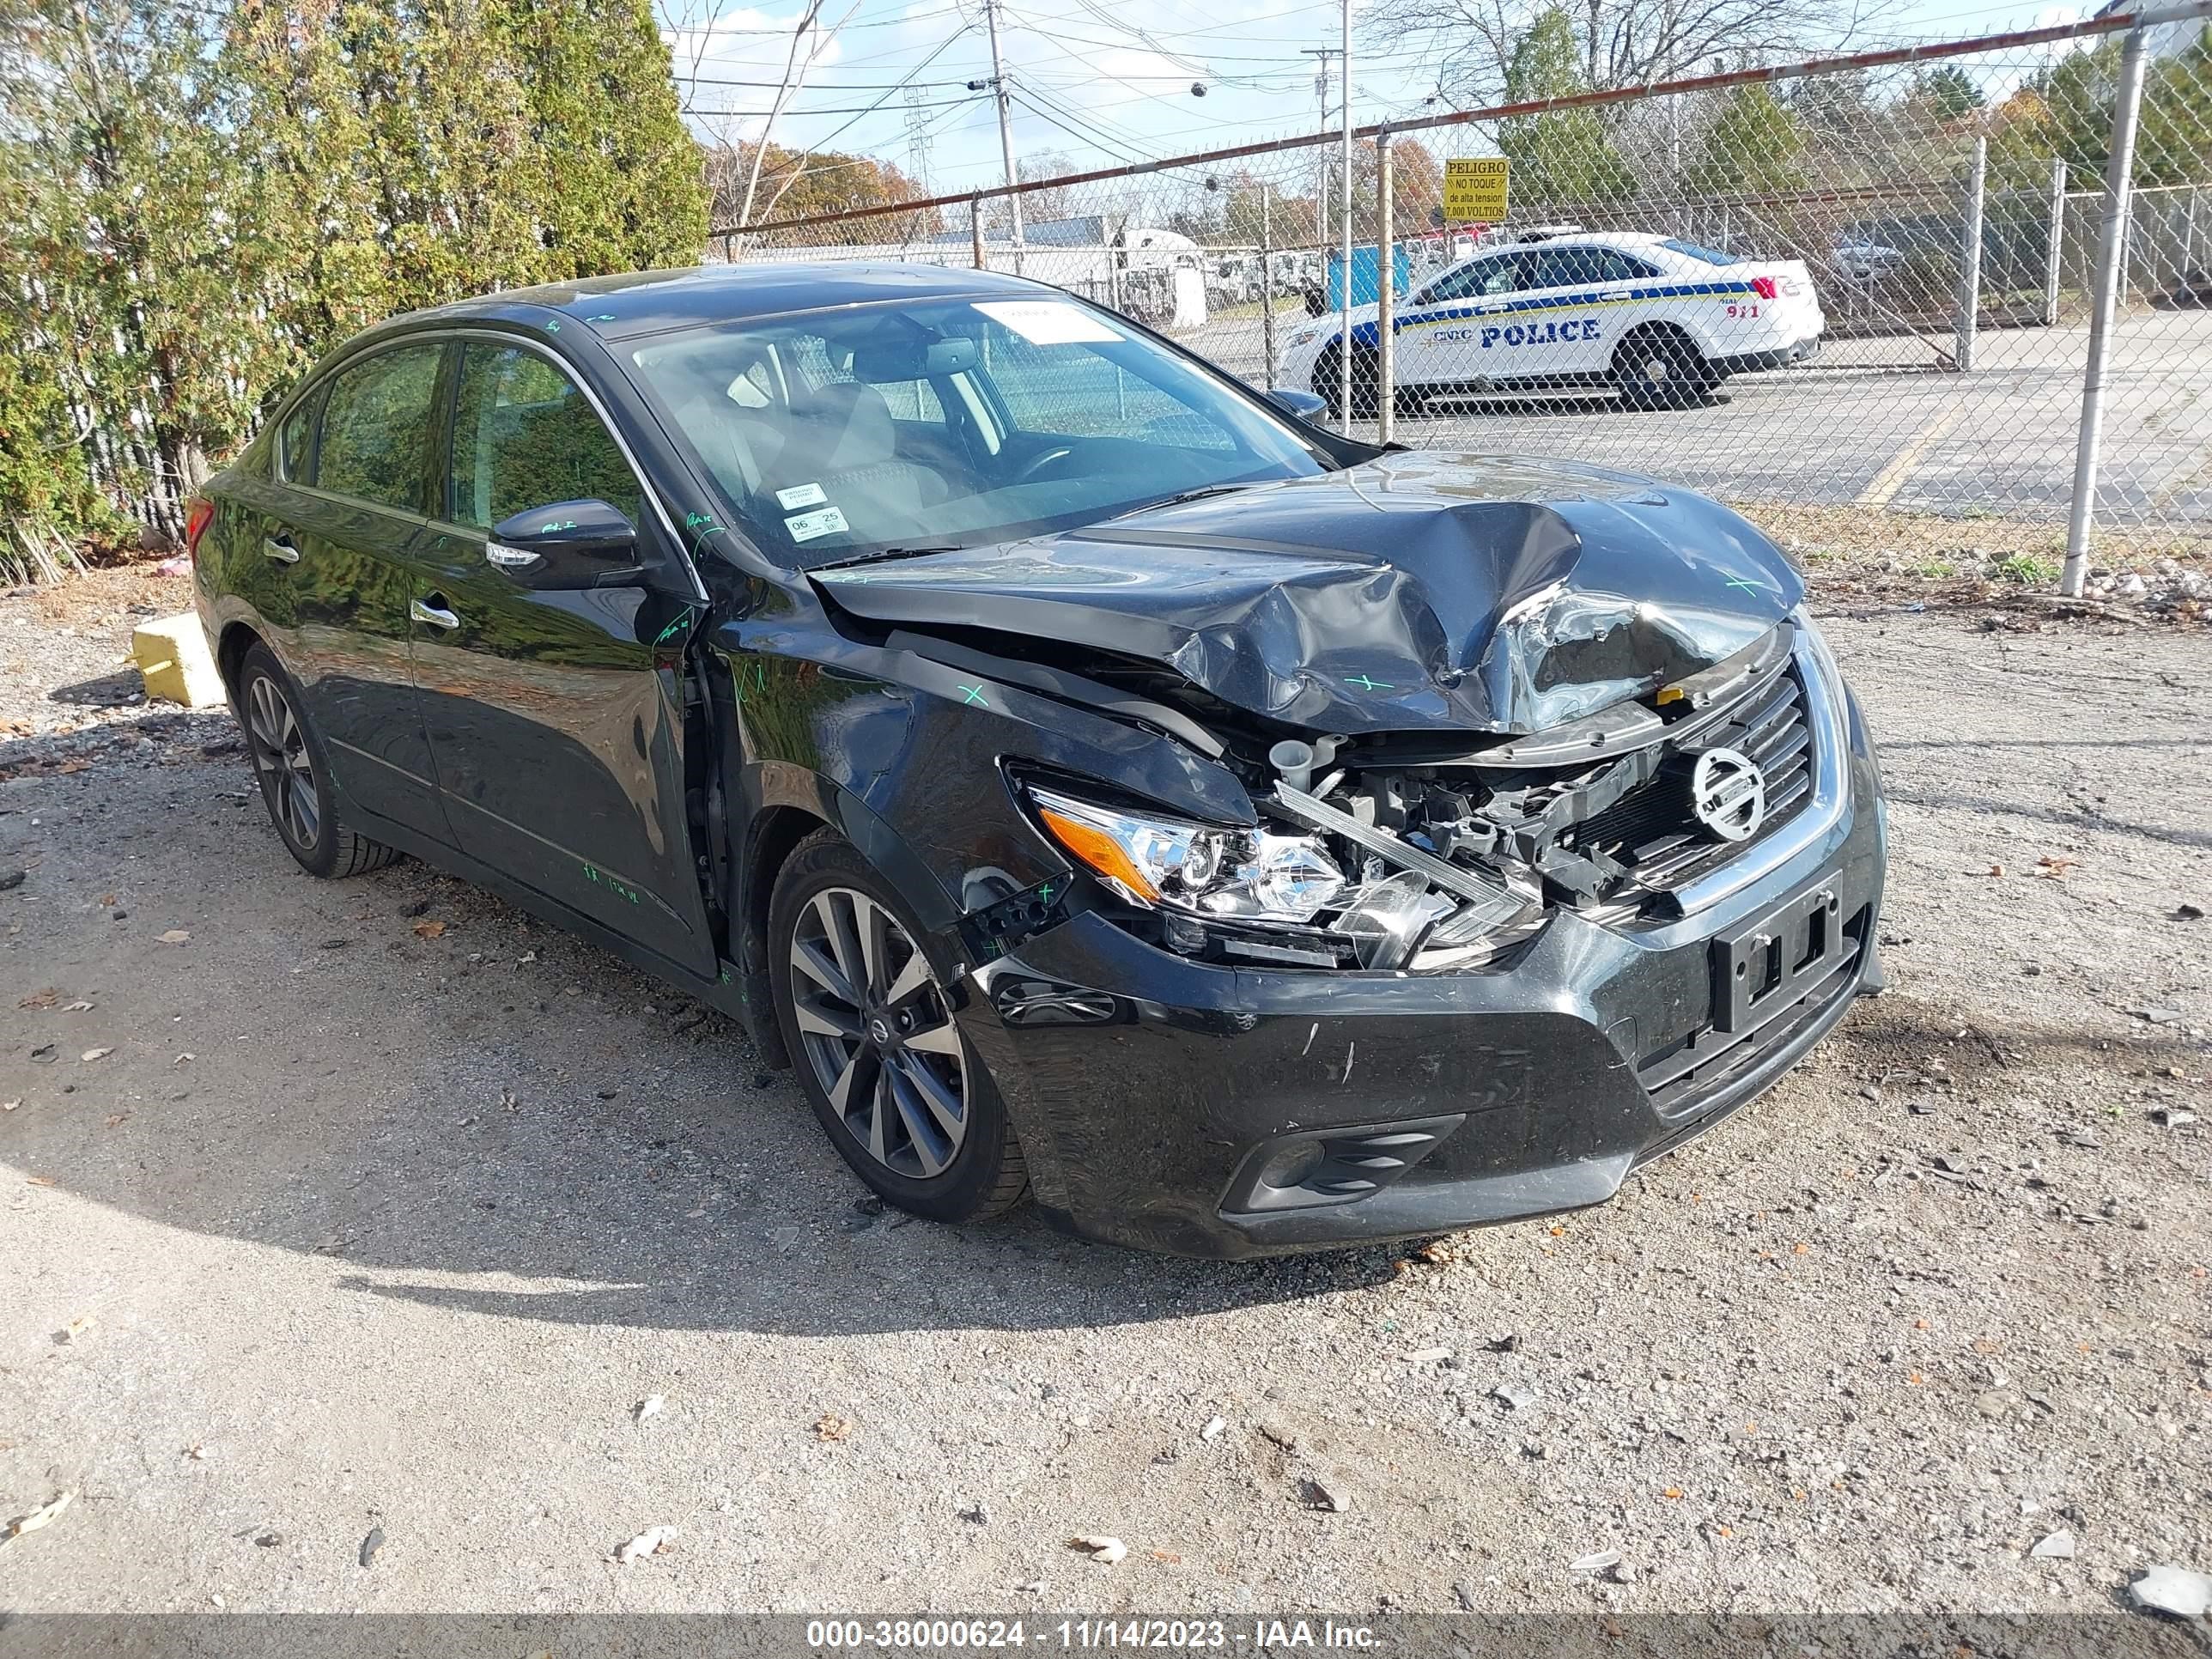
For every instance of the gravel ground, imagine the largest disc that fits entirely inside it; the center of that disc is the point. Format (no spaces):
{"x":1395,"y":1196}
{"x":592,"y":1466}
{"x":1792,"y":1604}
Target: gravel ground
{"x":359,"y":1224}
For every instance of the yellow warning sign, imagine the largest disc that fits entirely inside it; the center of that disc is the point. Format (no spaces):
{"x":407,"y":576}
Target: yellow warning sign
{"x":1475,"y":189}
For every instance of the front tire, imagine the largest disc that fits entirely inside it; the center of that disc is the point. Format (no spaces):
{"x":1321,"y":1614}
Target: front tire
{"x":289,"y":764}
{"x":1366,"y":381}
{"x":868,"y":1025}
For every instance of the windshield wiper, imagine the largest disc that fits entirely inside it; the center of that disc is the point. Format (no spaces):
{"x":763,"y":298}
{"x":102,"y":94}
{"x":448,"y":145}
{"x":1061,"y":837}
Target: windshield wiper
{"x":884,"y":553}
{"x":1197,"y":494}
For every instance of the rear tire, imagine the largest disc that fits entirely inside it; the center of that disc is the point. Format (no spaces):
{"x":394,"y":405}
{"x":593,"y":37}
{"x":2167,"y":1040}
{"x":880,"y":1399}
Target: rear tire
{"x":289,"y":764}
{"x":868,"y":1025}
{"x":1658,"y":367}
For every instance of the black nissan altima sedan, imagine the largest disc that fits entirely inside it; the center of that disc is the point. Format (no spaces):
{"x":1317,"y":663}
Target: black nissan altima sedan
{"x":1094,"y":780}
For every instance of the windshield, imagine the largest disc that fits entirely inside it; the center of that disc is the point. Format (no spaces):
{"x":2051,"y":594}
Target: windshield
{"x":834,"y":434}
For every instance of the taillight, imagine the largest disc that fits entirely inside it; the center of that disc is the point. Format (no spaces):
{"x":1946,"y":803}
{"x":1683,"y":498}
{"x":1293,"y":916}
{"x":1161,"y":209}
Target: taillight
{"x":1762,"y":287}
{"x":199,"y":514}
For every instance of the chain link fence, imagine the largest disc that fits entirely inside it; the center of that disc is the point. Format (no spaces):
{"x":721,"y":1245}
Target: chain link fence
{"x":1870,"y":284}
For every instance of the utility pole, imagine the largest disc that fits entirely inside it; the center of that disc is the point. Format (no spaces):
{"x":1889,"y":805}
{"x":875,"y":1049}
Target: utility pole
{"x":1344,"y":378}
{"x":1005,"y":126}
{"x":1321,"y":54}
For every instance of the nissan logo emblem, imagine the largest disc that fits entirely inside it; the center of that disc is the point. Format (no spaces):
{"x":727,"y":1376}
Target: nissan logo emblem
{"x":1727,"y":792}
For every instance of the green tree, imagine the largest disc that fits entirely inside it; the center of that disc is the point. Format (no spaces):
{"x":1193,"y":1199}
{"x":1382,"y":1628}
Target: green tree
{"x":1562,"y":158}
{"x":205,"y":198}
{"x":1951,"y":91}
{"x":2066,"y":113}
{"x":1753,"y":147}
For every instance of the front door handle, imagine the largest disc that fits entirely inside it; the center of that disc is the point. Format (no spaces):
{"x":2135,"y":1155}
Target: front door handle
{"x":436,"y":615}
{"x":280,"y":548}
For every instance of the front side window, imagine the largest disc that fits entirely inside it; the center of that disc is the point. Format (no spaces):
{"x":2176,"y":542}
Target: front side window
{"x":1581,"y":267}
{"x":526,"y":437}
{"x":835,"y":433}
{"x":1492,"y":275}
{"x":376,"y":429}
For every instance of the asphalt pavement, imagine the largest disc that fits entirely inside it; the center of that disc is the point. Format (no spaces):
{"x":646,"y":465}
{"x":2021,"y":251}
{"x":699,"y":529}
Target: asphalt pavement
{"x":1879,"y":423}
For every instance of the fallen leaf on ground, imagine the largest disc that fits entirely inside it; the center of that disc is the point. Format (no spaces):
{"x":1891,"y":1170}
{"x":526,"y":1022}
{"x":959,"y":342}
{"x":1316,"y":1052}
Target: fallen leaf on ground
{"x":2050,"y":867}
{"x":1997,"y":869}
{"x":45,"y":1515}
{"x":44,"y":998}
{"x":648,"y":1407}
{"x":96,"y":1054}
{"x":78,"y":1327}
{"x":76,"y":1007}
{"x":176,"y":936}
{"x":9,"y":1105}
{"x":1103,"y":1550}
{"x":370,"y":1545}
{"x":832,"y":1428}
{"x":428,"y":929}
{"x":39,"y":1181}
{"x":650,"y":1541}
{"x":116,"y":1119}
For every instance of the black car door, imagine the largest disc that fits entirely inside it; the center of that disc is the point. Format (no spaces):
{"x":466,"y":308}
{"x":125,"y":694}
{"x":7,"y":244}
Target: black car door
{"x":340,"y":547}
{"x":556,"y":717}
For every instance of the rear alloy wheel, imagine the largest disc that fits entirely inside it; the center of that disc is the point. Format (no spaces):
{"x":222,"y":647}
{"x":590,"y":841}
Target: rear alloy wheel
{"x":869,"y":1026}
{"x":288,"y":763}
{"x":1658,"y":369}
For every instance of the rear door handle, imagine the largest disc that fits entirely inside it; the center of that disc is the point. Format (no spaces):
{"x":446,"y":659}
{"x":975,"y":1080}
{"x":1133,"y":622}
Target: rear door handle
{"x":436,"y":615}
{"x":280,"y":548}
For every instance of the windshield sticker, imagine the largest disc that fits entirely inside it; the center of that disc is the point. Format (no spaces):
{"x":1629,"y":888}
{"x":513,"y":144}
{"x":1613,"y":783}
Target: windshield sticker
{"x":1047,"y":322}
{"x":807,"y":526}
{"x":798,"y":495}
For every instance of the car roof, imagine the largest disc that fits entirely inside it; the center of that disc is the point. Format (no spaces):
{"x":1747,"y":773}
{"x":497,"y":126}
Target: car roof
{"x":649,"y":301}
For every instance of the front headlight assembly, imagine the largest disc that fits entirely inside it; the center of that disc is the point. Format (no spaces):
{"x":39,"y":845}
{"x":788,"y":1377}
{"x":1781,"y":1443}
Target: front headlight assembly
{"x":1236,"y":875}
{"x":1322,"y":910}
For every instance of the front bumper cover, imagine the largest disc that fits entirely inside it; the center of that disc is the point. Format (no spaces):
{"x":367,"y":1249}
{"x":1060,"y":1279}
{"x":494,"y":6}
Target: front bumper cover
{"x":1177,"y":1106}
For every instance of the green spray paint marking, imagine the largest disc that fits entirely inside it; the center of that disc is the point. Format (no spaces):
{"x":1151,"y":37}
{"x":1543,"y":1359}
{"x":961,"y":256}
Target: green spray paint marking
{"x":603,"y":317}
{"x":683,"y":619}
{"x":553,"y":327}
{"x":555,"y":529}
{"x":1366,"y":684}
{"x":972,"y":694}
{"x":705,"y":526}
{"x":592,"y":874}
{"x":737,"y":679}
{"x":1748,"y":586}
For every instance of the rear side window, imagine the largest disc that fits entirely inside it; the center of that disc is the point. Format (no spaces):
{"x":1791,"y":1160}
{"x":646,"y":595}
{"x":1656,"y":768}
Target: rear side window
{"x":525,"y":437}
{"x":295,"y":439}
{"x":1494,"y":275}
{"x":376,"y":429}
{"x":1710,"y":256}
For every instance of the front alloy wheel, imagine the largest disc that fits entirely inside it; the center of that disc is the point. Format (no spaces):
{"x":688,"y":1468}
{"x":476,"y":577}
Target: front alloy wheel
{"x":877,"y":1033}
{"x":868,"y":1024}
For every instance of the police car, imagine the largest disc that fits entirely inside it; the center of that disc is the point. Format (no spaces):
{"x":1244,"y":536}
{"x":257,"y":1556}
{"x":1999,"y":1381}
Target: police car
{"x":1661,"y":320}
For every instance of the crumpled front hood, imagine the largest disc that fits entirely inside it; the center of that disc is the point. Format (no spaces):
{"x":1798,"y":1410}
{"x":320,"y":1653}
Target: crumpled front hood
{"x":1417,"y":591}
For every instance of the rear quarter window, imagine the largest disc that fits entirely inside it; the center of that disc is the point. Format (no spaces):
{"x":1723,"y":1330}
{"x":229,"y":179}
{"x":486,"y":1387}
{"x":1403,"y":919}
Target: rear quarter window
{"x":1696,"y":251}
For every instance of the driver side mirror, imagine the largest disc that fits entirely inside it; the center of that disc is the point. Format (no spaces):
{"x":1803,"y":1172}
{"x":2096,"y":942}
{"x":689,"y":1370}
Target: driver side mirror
{"x":1303,"y":404}
{"x":566,"y":545}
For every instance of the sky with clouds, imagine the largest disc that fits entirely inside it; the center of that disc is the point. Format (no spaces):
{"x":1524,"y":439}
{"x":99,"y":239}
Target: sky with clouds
{"x":1096,"y":81}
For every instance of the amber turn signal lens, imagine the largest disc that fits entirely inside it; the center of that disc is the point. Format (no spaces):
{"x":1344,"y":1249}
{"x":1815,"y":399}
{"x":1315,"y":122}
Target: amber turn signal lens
{"x":1100,"y":851}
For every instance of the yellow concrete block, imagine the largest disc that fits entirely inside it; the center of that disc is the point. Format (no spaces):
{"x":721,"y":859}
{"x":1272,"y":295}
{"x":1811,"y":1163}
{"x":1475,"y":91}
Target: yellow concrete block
{"x":172,"y":655}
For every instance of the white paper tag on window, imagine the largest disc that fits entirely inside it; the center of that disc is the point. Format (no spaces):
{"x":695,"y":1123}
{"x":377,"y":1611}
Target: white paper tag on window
{"x":1047,"y":322}
{"x":798,"y":495}
{"x":807,"y":526}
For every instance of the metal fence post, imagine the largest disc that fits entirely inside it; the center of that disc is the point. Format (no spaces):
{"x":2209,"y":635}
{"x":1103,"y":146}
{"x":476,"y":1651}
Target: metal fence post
{"x":1386,"y":280}
{"x":2119,"y":175}
{"x":2054,"y":254}
{"x":975,"y":228}
{"x":1268,"y":281}
{"x":1970,"y":258}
